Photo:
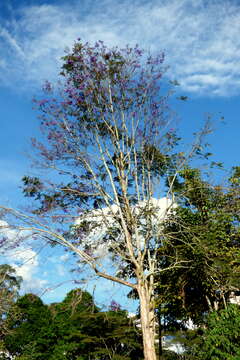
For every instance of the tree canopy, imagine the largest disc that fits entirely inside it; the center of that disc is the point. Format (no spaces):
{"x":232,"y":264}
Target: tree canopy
{"x":72,"y":329}
{"x":205,"y":232}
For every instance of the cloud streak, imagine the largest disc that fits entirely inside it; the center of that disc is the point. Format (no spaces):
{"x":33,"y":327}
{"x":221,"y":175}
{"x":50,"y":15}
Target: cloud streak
{"x":200,"y":39}
{"x":23,"y":258}
{"x":25,"y":261}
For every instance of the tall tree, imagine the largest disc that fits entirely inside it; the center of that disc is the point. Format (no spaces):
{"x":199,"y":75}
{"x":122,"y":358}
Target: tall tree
{"x":107,"y":136}
{"x":205,"y":231}
{"x":9,"y":287}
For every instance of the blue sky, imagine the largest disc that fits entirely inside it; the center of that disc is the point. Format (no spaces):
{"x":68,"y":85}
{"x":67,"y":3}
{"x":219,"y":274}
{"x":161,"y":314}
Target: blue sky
{"x":202,"y":46}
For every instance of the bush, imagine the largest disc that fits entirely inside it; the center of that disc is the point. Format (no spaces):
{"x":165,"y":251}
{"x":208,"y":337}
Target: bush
{"x":221,"y":339}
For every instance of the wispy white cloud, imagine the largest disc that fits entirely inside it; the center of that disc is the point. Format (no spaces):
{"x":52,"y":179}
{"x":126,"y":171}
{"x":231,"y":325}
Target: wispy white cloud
{"x":64,"y":257}
{"x":61,"y":270}
{"x":200,"y":38}
{"x":25,"y":261}
{"x":11,"y":41}
{"x":23,"y":258}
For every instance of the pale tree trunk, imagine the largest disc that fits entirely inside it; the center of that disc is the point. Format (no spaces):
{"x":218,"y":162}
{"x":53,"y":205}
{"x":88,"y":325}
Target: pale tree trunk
{"x":147,"y":322}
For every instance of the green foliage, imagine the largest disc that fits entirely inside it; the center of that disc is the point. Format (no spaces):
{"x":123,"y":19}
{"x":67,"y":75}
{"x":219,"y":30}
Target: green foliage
{"x":170,"y":355}
{"x":9,"y":286}
{"x":221,"y":339}
{"x":204,"y":232}
{"x":29,"y":327}
{"x":72,"y":329}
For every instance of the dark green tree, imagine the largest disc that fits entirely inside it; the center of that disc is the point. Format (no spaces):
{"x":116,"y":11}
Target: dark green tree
{"x":205,"y":233}
{"x":85,"y":332}
{"x":72,"y":329}
{"x":28,"y":328}
{"x":9,"y":287}
{"x":220,"y":339}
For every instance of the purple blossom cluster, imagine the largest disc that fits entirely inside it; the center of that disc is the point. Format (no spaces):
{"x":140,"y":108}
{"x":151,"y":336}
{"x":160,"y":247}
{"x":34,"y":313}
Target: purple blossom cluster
{"x":99,"y":81}
{"x":47,"y":87}
{"x":114,"y":306}
{"x":100,"y":85}
{"x":91,"y":70}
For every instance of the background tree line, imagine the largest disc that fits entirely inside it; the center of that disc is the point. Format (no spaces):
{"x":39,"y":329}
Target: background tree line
{"x":72,"y":329}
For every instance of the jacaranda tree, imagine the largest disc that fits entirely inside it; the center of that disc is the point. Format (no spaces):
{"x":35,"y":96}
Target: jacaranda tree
{"x":108,"y":149}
